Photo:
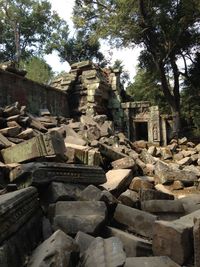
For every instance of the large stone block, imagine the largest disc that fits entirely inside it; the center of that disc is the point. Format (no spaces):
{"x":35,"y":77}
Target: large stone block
{"x":150,"y":262}
{"x":74,"y":216}
{"x":118,"y":180}
{"x":58,"y":250}
{"x":162,"y":206}
{"x":46,"y":172}
{"x":135,"y":220}
{"x":134,"y":246}
{"x":37,"y":147}
{"x":176,"y":234}
{"x":15,"y":209}
{"x":104,"y":252}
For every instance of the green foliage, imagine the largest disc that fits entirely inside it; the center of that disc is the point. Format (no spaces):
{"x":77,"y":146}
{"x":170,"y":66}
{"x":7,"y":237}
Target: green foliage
{"x":191,"y":95}
{"x":26,"y":27}
{"x":37,"y":70}
{"x":146,"y":87}
{"x":79,"y":48}
{"x":124,"y":75}
{"x":166,"y":30}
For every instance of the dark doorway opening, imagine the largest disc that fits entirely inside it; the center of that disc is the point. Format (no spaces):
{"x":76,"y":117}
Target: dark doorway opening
{"x":141,"y":131}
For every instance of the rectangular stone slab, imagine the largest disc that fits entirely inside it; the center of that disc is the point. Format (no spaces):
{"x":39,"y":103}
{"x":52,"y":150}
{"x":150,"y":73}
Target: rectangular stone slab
{"x":134,"y":246}
{"x":39,"y":146}
{"x":74,"y":216}
{"x":135,"y":220}
{"x":150,"y":262}
{"x":15,"y":209}
{"x":46,"y":172}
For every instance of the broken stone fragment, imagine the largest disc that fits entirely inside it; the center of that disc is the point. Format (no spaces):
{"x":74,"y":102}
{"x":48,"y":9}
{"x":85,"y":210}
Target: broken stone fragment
{"x":72,"y":137}
{"x":185,"y":161}
{"x":166,"y":153}
{"x":74,"y":216}
{"x":166,"y":174}
{"x":176,"y":234}
{"x":162,"y":261}
{"x":118,"y":180}
{"x":26,"y":134}
{"x":104,"y":252}
{"x":135,"y":220}
{"x":134,"y":246}
{"x":58,"y":250}
{"x":93,"y":193}
{"x":60,"y":191}
{"x":129,"y":198}
{"x":51,"y":144}
{"x":162,"y":206}
{"x":124,"y":163}
{"x":182,"y":141}
{"x":83,"y":240}
{"x":12,"y":110}
{"x":4,"y":142}
{"x":150,"y":194}
{"x":110,"y":153}
{"x":11,"y":131}
{"x":141,"y":182}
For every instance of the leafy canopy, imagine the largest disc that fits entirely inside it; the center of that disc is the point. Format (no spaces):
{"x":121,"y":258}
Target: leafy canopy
{"x":26,"y":27}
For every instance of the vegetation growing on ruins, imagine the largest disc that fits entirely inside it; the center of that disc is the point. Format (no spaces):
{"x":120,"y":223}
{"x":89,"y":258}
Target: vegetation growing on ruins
{"x":167,"y":30}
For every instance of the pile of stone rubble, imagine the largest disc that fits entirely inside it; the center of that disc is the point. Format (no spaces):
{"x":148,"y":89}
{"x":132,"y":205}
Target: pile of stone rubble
{"x":76,"y":193}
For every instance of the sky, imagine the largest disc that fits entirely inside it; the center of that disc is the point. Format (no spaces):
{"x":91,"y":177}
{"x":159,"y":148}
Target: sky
{"x":128,"y":56}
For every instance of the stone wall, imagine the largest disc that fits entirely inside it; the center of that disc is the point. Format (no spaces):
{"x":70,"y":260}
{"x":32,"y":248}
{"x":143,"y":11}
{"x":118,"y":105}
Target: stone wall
{"x":34,"y":95}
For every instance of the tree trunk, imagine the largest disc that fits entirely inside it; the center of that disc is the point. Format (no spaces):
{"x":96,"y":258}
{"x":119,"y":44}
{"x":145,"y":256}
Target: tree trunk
{"x":172,"y":99}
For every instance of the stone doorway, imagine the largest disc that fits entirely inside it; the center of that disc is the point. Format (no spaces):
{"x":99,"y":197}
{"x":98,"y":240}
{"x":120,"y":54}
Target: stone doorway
{"x":141,"y":130}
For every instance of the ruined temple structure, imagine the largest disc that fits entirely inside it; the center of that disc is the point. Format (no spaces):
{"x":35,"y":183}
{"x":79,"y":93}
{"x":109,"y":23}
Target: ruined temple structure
{"x":92,"y":90}
{"x":88,"y":90}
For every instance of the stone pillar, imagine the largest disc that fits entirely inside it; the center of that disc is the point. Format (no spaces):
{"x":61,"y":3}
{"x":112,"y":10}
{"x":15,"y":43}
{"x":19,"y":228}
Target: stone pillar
{"x":154,"y":135}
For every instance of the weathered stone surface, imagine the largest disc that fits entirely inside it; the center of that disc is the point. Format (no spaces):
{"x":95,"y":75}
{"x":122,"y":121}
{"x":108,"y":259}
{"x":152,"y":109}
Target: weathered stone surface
{"x":162,"y":261}
{"x":134,"y":246}
{"x":178,"y":234}
{"x":4,"y":142}
{"x":11,"y":131}
{"x":46,"y":172}
{"x":58,"y":250}
{"x":85,"y":154}
{"x":196,"y":236}
{"x":166,"y":153}
{"x":150,"y":194}
{"x":72,"y":137}
{"x":135,"y":220}
{"x":40,"y":146}
{"x":185,"y":161}
{"x":93,"y":193}
{"x":170,"y":235}
{"x":110,"y":153}
{"x":15,"y":250}
{"x":15,"y":209}
{"x":60,"y":192}
{"x":74,"y":216}
{"x":191,"y":203}
{"x":104,"y":252}
{"x":124,"y":163}
{"x":129,"y":198}
{"x":118,"y":180}
{"x":83,"y":240}
{"x":26,"y":134}
{"x":162,"y":206}
{"x":141,"y":182}
{"x":165,"y":174}
{"x":147,"y":157}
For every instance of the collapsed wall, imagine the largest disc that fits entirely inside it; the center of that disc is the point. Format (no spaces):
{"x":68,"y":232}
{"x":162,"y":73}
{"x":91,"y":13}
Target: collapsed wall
{"x":34,"y":95}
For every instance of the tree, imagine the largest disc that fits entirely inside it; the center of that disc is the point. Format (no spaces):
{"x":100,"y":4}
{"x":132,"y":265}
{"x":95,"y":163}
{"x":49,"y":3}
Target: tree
{"x":147,"y":87}
{"x":124,"y":75}
{"x":190,"y":95}
{"x":167,"y":30}
{"x":26,"y":27}
{"x":37,"y":70}
{"x":79,"y":48}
